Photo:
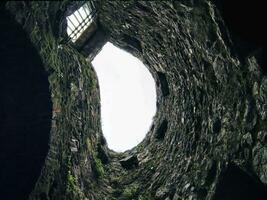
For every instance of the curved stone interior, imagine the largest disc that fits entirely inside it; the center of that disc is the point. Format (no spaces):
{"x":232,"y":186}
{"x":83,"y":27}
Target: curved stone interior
{"x":210,"y":128}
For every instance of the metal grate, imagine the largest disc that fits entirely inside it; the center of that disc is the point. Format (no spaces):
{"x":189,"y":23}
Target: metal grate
{"x":80,"y":20}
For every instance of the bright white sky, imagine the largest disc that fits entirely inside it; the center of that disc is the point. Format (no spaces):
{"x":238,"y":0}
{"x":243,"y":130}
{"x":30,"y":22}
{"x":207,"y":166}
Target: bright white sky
{"x":128,"y":97}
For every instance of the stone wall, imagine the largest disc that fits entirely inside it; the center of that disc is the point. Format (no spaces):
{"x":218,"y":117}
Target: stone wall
{"x":211,"y":118}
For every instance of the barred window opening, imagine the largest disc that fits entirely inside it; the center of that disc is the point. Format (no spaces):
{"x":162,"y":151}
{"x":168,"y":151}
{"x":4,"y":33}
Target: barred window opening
{"x":80,"y":20}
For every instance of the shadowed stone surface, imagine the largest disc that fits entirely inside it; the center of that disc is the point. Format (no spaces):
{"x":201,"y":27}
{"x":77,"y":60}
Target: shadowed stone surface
{"x":213,"y":97}
{"x":25,"y":111}
{"x":236,"y":184}
{"x":129,"y":162}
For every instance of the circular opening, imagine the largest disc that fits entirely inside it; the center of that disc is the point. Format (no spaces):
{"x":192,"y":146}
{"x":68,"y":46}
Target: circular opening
{"x":128,"y":97}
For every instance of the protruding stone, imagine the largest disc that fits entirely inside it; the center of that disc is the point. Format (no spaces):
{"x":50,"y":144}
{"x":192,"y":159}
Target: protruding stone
{"x":161,"y":193}
{"x":74,"y":145}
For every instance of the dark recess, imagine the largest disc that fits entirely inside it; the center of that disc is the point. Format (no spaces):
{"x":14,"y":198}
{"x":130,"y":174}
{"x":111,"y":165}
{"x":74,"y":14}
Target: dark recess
{"x":160,"y":133}
{"x":211,"y":173}
{"x":163,"y":84}
{"x":216,"y":127}
{"x":133,"y":44}
{"x":25,"y":111}
{"x":102,"y":154}
{"x":130,"y":162}
{"x":236,"y":184}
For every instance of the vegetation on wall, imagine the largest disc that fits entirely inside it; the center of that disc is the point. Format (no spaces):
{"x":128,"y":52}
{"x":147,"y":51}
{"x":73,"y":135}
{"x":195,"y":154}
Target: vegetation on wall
{"x":215,"y":109}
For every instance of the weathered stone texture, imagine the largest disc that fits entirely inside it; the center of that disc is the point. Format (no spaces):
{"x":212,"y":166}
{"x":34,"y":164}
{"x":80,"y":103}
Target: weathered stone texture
{"x":215,"y":107}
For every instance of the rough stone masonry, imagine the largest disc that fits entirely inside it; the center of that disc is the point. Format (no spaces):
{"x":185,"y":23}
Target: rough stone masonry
{"x":208,"y":139}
